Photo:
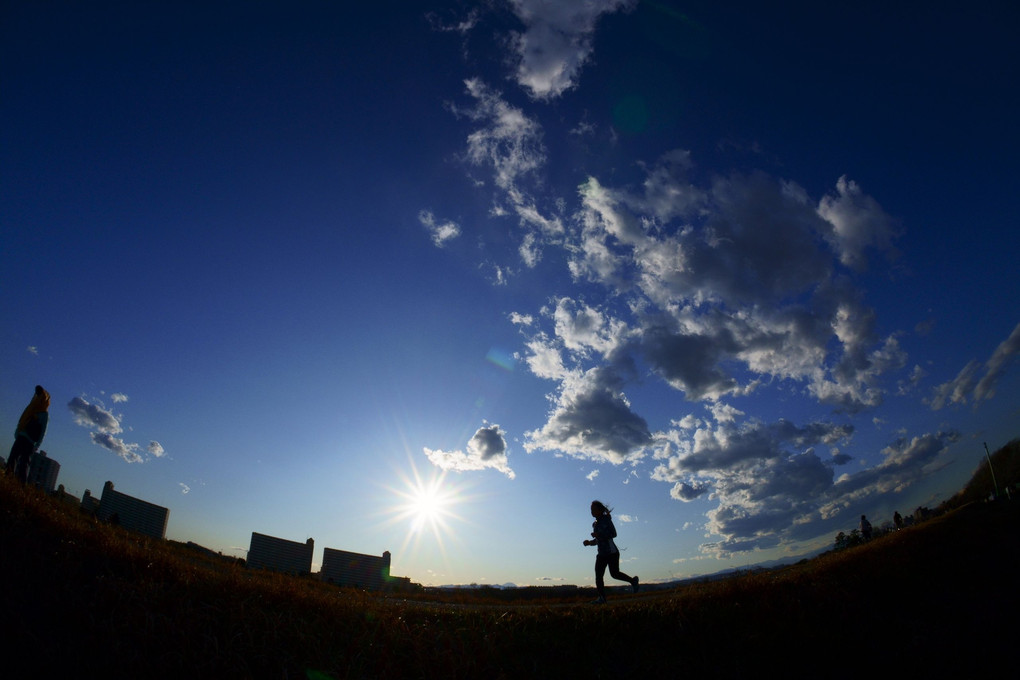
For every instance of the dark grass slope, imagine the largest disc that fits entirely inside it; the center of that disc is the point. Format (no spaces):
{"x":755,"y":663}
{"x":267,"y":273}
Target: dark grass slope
{"x":82,"y":599}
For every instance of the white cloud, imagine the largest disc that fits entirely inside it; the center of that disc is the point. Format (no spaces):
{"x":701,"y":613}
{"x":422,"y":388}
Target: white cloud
{"x":770,"y":487}
{"x":107,"y":424}
{"x":94,"y":416}
{"x":129,"y":452}
{"x":33,"y":350}
{"x":184,"y":487}
{"x":486,"y":449}
{"x":724,"y":413}
{"x":858,"y":223}
{"x":592,"y":420}
{"x":714,"y":288}
{"x":996,"y":364}
{"x":462,"y":26}
{"x":726,"y":288}
{"x":440,"y":231}
{"x":118,"y":398}
{"x":747,"y":282}
{"x":556,"y":41}
{"x":764,"y":478}
{"x":966,"y":386}
{"x":904,"y":464}
{"x":544,"y":359}
{"x":592,"y":475}
{"x":917,"y":374}
{"x":521,"y":319}
{"x":581,"y":327}
{"x":510,"y":142}
{"x":956,"y":390}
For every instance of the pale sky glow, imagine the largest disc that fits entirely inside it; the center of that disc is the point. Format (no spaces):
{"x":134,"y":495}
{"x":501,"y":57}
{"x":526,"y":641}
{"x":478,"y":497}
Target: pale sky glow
{"x":431,"y":279}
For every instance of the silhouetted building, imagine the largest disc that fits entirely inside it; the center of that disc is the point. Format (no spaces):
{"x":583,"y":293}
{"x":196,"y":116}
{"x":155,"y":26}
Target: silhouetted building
{"x":355,"y":570}
{"x":278,"y":554}
{"x":70,"y":499}
{"x":89,"y":503}
{"x":43,"y":471}
{"x":131,"y":513}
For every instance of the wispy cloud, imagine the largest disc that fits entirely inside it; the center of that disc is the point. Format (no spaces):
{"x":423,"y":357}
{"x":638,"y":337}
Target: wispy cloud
{"x":508,"y":143}
{"x":996,"y":364}
{"x":441,"y":231}
{"x":966,"y":386}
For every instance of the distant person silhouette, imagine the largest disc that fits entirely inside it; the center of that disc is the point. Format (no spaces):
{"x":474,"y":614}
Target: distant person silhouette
{"x":29,"y":434}
{"x":603,"y":533}
{"x":865,"y":528}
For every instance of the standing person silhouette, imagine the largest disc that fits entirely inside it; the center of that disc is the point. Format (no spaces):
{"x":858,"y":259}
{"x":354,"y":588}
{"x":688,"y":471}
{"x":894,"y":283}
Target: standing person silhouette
{"x":29,"y":435}
{"x":865,"y":528}
{"x":603,"y":533}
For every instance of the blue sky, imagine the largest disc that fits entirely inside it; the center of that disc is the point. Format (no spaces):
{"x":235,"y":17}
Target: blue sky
{"x":429,"y":280}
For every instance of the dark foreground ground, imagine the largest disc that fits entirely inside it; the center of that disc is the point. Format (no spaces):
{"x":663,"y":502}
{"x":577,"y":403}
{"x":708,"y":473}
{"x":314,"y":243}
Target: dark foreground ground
{"x":82,"y":599}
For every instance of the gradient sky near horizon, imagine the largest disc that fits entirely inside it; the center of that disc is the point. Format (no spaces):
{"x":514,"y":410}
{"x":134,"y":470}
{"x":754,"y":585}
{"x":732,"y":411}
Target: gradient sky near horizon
{"x":430,"y":279}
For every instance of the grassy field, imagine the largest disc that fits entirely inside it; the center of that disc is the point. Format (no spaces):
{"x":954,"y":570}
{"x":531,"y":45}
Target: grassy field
{"x":82,"y":598}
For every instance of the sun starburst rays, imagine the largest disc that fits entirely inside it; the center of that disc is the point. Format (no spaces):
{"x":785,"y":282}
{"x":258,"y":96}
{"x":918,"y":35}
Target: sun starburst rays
{"x":427,"y":506}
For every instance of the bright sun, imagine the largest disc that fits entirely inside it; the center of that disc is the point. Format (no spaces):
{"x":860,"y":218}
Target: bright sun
{"x":426,"y":504}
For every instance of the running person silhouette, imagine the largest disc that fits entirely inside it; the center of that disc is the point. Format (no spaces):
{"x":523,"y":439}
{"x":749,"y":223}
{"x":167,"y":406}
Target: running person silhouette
{"x":603,"y":532}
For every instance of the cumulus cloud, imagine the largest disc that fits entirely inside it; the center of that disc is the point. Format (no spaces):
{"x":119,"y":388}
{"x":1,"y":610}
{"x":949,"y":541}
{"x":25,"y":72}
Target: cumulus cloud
{"x":966,"y":384}
{"x":129,"y":452}
{"x":486,"y":449}
{"x":592,"y":420}
{"x":765,"y":478}
{"x":118,"y":398}
{"x":556,"y":41}
{"x":94,"y":416}
{"x":728,"y":287}
{"x":858,"y":222}
{"x":582,"y":328}
{"x":715,"y":288}
{"x":769,"y":486}
{"x":441,"y":231}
